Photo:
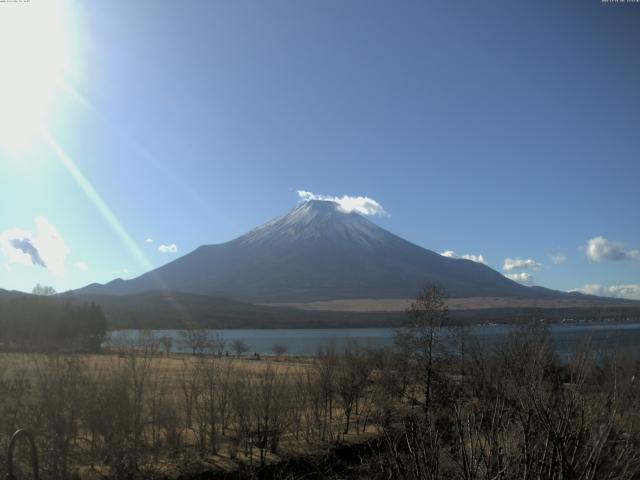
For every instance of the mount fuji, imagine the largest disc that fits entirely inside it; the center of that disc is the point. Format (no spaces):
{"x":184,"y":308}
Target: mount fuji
{"x":318,"y":252}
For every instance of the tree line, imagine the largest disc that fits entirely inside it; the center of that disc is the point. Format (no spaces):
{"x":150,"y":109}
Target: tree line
{"x":46,"y":322}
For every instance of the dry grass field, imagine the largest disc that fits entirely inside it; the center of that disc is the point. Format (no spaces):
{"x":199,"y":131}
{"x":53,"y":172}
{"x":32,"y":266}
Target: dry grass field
{"x":469,"y":303}
{"x":140,"y":411}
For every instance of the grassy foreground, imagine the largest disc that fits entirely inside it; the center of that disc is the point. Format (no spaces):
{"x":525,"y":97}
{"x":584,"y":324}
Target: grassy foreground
{"x":138,"y":412}
{"x":516,"y":413}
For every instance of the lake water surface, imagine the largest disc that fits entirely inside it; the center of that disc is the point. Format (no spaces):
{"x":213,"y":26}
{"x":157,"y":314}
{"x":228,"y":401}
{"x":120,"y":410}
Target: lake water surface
{"x":566,"y":336}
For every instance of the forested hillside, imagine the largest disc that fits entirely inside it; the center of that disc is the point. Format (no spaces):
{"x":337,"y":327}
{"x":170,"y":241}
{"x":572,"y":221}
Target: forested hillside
{"x":49,"y":323}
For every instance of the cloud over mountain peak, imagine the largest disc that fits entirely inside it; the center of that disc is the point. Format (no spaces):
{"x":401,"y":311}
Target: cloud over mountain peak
{"x":347,"y":203}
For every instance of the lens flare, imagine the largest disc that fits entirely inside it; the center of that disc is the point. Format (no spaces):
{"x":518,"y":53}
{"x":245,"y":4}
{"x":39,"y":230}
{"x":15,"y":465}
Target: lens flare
{"x":33,"y":57}
{"x":96,"y":199}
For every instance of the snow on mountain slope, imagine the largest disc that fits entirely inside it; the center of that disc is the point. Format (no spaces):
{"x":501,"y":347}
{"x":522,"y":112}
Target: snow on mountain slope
{"x":317,"y":221}
{"x":319,"y":252}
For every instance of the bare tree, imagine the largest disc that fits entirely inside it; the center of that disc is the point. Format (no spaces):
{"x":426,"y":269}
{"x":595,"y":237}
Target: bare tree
{"x":279,"y":349}
{"x":190,"y":386}
{"x":418,"y":338}
{"x":239,"y":346}
{"x":217,"y":344}
{"x":268,"y":411}
{"x":59,"y":390}
{"x":195,"y":339}
{"x":241,"y":407}
{"x":210,"y":380}
{"x":43,"y":290}
{"x":167,"y":343}
{"x":460,"y":335}
{"x":326,"y":366}
{"x":352,"y":379}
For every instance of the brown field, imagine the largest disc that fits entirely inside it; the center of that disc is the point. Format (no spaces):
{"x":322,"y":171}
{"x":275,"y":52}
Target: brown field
{"x":471,"y":303}
{"x":169,"y":368}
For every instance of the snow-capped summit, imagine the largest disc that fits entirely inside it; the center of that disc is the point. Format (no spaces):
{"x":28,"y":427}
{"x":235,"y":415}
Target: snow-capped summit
{"x":317,"y":221}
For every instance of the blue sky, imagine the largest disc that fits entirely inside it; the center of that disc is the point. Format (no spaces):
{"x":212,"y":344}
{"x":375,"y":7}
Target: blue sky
{"x":503,"y":129}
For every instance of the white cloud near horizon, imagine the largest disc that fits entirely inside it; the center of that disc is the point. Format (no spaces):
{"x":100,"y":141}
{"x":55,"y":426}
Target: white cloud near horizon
{"x":601,"y":249}
{"x":511,"y":264}
{"x":467,"y":256}
{"x":44,"y":247}
{"x":631,"y":292}
{"x":82,"y":266}
{"x":149,"y":240}
{"x":360,"y":204}
{"x":172,"y":248}
{"x":558,"y":259}
{"x":522,"y":277}
{"x":474,"y":258}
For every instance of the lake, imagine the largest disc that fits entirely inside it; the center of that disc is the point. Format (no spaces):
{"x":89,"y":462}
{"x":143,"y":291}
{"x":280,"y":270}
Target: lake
{"x":603,"y":337}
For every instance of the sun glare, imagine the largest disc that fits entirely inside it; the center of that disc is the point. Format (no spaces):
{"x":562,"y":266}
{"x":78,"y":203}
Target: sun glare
{"x":33,"y":59}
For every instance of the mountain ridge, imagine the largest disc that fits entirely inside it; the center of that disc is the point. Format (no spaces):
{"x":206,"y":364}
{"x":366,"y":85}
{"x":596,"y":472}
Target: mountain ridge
{"x":315,"y":252}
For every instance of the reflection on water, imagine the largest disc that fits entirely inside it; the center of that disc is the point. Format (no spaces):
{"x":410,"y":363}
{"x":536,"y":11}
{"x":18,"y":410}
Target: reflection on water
{"x":602,"y":337}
